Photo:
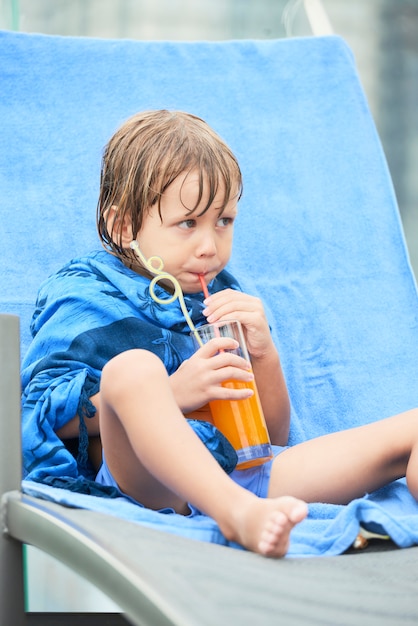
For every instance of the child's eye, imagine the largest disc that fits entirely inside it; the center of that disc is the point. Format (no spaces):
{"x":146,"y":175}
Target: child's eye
{"x":187,"y":224}
{"x":225,"y":221}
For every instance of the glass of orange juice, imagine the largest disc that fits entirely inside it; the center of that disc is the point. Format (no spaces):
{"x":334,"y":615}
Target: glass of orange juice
{"x":241,"y":421}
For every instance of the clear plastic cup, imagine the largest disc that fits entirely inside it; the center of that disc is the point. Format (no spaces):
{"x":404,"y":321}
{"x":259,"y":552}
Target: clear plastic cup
{"x":241,"y":421}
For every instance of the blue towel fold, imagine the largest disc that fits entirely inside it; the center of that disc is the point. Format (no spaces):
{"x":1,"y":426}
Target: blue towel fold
{"x":329,"y":529}
{"x":318,"y":236}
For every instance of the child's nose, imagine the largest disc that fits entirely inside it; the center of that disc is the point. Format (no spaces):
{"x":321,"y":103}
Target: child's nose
{"x":207,"y":244}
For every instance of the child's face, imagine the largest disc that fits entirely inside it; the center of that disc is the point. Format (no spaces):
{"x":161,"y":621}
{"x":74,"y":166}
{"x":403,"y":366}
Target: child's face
{"x":189,"y":244}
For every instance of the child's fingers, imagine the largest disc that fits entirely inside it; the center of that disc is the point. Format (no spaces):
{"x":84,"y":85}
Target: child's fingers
{"x":232,"y":393}
{"x":233,"y":304}
{"x":220,"y":345}
{"x":221,"y":373}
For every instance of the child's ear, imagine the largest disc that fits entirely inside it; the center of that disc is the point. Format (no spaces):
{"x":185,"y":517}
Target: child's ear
{"x":120,"y":229}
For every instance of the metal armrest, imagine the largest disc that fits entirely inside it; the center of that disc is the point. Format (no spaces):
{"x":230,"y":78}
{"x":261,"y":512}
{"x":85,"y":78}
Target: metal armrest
{"x":109,"y":552}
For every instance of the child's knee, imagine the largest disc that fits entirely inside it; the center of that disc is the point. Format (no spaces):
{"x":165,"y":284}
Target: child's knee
{"x":132,"y":367}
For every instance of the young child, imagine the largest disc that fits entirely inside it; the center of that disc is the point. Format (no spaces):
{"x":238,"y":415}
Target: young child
{"x":107,"y":360}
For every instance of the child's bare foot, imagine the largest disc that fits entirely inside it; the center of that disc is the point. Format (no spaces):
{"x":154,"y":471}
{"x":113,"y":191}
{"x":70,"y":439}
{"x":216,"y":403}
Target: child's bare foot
{"x":264,"y":525}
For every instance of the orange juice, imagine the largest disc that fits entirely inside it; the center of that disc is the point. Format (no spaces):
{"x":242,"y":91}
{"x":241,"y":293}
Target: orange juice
{"x":243,"y":424}
{"x":241,"y":421}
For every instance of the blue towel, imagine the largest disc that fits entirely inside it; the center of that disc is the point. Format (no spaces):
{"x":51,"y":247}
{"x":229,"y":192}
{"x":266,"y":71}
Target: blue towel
{"x":329,"y":529}
{"x":318,"y":235}
{"x":88,"y":312}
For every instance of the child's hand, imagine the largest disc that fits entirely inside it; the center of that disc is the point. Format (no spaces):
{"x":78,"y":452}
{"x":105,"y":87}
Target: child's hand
{"x":199,"y":379}
{"x":235,"y":305}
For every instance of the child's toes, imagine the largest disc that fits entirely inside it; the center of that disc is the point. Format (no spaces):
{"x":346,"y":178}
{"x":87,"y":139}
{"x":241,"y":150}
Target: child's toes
{"x":274,"y":539}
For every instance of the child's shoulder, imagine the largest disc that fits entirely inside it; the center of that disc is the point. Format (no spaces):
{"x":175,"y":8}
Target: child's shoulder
{"x":91,"y":267}
{"x":91,"y":264}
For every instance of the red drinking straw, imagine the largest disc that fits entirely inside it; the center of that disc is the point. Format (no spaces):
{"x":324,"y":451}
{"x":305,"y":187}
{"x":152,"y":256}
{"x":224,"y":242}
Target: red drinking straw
{"x":206,"y":294}
{"x":204,"y":286}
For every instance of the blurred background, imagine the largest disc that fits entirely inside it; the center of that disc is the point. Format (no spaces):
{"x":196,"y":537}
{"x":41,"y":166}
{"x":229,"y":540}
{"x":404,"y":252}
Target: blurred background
{"x":383,"y":35}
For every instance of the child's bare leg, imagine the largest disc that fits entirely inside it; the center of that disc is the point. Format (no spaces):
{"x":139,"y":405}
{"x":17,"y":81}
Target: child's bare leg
{"x":339,"y":467}
{"x":156,"y":458}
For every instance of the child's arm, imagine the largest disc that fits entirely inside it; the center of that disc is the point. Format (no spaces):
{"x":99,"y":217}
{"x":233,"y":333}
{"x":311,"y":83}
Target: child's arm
{"x":231,"y":304}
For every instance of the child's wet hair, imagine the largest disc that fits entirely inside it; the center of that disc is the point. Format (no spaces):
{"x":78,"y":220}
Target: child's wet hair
{"x":148,"y":152}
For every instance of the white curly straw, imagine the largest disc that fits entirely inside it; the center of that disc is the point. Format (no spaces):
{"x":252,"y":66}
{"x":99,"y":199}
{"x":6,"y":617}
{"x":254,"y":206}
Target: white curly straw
{"x":161,"y":275}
